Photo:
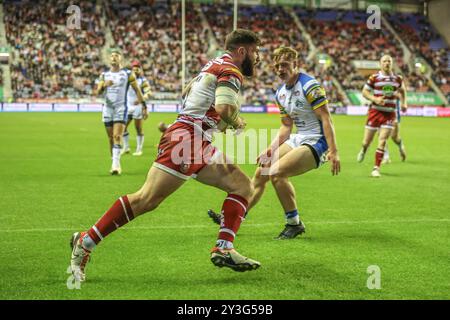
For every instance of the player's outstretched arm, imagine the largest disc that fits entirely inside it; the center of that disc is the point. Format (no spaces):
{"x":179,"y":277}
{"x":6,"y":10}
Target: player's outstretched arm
{"x":323,"y":114}
{"x":282,"y":136}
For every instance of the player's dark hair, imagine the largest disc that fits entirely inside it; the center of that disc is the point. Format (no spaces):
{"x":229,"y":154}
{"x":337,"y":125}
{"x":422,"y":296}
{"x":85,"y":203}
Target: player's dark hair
{"x":240,"y":37}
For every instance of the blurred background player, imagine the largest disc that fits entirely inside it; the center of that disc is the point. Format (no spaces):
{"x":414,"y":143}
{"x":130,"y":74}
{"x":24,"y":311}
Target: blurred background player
{"x":303,"y":104}
{"x":211,"y":103}
{"x":115,"y":85}
{"x":387,"y":88}
{"x":396,"y":135}
{"x":135,"y":111}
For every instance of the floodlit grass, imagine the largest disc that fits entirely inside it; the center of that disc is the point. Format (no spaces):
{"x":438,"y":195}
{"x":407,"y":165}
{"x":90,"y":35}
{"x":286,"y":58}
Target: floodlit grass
{"x":54,"y":180}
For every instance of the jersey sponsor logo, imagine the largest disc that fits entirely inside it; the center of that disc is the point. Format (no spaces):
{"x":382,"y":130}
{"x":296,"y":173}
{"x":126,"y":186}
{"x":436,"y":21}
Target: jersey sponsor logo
{"x":388,"y":90}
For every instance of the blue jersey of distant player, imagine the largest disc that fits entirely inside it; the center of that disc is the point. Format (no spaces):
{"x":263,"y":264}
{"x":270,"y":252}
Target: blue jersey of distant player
{"x":299,"y":102}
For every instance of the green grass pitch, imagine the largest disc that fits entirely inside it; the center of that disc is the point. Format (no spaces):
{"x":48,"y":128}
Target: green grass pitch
{"x":54,"y":180}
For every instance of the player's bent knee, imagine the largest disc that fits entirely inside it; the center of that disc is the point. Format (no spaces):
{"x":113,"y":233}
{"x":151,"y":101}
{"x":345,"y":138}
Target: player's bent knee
{"x":142,"y":202}
{"x":243,"y":187}
{"x":277,"y":177}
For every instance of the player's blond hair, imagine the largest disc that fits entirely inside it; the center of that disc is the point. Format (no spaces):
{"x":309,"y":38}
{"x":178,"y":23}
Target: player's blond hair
{"x":288,"y":52}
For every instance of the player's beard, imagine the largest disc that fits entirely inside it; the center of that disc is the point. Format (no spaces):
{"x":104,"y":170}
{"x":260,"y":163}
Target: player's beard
{"x":248,"y":67}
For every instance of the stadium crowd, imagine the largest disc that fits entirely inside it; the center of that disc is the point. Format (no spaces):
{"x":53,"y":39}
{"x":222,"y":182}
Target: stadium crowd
{"x":419,"y":36}
{"x":53,"y":61}
{"x":346,"y":32}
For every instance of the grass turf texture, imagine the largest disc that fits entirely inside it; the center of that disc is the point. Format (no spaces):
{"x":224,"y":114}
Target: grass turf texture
{"x":54,"y":180}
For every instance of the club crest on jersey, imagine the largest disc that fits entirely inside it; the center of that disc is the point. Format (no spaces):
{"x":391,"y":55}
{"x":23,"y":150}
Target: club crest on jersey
{"x":388,"y":90}
{"x":283,"y":97}
{"x":184,"y":167}
{"x":297,"y":93}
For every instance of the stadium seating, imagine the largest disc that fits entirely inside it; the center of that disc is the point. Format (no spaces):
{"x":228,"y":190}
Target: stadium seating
{"x":423,"y":40}
{"x":50,"y":61}
{"x":275,"y":28}
{"x":53,"y":61}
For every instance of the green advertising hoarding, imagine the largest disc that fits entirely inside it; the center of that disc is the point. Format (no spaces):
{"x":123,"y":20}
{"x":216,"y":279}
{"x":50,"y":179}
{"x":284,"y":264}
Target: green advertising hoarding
{"x":301,"y":3}
{"x":413,"y":98}
{"x":383,"y":5}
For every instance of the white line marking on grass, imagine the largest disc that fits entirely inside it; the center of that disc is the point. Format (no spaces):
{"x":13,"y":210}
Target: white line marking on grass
{"x":210,"y":225}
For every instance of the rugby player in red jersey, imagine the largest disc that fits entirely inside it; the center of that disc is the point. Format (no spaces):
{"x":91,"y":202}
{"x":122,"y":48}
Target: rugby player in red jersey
{"x":211,"y":102}
{"x":382,"y":89}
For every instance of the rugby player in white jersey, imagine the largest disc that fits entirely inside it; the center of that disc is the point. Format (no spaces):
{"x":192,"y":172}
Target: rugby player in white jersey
{"x":211,"y":102}
{"x":115,"y":85}
{"x":303,"y":105}
{"x":135,"y":111}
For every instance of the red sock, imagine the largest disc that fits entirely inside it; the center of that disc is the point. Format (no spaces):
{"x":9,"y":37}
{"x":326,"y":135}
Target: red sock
{"x":118,"y":215}
{"x":233,"y":209}
{"x":379,"y":157}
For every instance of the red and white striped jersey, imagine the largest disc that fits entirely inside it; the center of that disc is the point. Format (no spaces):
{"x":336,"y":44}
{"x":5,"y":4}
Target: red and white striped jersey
{"x":385,"y":86}
{"x":198,"y":101}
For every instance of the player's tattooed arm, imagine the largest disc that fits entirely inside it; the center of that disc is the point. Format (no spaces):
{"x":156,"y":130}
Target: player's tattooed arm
{"x":323,"y":114}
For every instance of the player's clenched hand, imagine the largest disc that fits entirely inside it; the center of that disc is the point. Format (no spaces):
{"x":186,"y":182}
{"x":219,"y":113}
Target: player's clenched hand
{"x":109,"y":83}
{"x":239,"y":125}
{"x":404,"y":107}
{"x":379,"y":101}
{"x":144,"y":113}
{"x":264,"y":158}
{"x":335,"y":162}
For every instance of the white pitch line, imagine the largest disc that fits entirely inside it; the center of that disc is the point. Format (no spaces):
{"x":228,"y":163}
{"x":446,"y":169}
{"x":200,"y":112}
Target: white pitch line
{"x":210,"y":225}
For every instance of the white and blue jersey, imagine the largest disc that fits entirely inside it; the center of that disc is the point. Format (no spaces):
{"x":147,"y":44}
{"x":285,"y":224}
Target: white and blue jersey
{"x":298,"y":103}
{"x":115,"y":108}
{"x":135,"y":110}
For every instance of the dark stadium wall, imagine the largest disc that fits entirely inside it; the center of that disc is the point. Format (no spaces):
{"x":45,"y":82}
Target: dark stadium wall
{"x":438,"y":11}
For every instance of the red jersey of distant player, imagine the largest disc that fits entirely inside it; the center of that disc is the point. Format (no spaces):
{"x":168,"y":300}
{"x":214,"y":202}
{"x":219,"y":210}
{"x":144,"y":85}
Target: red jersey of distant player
{"x":195,"y":120}
{"x":386,"y":86}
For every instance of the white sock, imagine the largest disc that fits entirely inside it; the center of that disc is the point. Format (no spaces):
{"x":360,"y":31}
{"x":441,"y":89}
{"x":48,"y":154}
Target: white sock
{"x":140,"y":143}
{"x":88,"y":243}
{"x":224,"y":244}
{"x":126,"y":140}
{"x":116,"y":155}
{"x":292,"y":217}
